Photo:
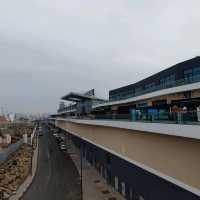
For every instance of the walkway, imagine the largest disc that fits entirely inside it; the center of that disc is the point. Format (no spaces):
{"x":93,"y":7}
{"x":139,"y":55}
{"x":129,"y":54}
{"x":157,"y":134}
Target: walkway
{"x":94,"y":186}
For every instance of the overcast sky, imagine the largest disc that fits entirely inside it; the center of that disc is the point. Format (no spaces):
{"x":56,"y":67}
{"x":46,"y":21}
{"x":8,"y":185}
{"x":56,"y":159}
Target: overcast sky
{"x":49,"y":48}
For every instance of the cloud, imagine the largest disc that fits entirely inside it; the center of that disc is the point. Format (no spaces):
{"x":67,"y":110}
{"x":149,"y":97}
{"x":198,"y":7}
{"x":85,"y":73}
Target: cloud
{"x":48,"y":48}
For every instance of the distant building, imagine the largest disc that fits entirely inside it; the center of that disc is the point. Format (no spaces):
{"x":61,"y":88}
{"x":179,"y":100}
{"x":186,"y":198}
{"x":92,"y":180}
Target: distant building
{"x":81,"y":103}
{"x":3,"y":119}
{"x":61,"y":106}
{"x":11,"y":117}
{"x":5,"y":139}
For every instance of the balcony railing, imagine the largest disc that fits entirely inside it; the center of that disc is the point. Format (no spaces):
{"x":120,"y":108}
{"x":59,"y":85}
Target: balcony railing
{"x":182,"y":117}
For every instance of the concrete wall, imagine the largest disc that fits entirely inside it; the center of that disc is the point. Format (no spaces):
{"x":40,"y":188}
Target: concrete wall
{"x":175,"y":157}
{"x":138,"y":183}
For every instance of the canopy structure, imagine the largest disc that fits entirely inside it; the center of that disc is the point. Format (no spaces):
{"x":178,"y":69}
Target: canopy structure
{"x":77,"y":97}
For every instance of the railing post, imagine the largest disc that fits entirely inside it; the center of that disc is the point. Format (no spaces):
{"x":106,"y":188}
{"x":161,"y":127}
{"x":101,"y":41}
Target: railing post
{"x":198,"y":116}
{"x":179,"y":117}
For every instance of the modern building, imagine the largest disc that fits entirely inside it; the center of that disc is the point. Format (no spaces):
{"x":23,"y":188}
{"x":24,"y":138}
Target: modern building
{"x":183,"y":73}
{"x":81,"y":104}
{"x":168,"y":91}
{"x":140,"y":160}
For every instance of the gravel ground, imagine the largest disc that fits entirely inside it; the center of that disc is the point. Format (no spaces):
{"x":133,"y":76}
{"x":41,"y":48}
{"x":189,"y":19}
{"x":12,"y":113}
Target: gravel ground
{"x":14,"y":171}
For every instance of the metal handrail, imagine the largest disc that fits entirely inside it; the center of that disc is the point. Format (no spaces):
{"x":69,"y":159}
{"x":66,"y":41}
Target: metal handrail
{"x":181,"y":117}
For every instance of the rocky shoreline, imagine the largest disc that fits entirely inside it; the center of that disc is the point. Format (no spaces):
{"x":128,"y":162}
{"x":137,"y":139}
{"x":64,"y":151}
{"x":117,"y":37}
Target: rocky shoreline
{"x":14,"y":171}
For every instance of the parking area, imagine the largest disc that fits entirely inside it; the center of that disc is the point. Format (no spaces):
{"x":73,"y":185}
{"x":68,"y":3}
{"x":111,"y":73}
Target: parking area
{"x":94,"y":186}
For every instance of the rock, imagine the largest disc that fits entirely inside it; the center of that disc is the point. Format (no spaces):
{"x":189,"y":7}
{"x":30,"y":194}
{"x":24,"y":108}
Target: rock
{"x":14,"y":171}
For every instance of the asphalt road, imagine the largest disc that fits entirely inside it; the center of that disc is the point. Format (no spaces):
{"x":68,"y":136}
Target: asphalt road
{"x":56,"y":177}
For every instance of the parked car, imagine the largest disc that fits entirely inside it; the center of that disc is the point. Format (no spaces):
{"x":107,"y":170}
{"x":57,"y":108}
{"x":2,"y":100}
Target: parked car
{"x":63,"y":147}
{"x":40,"y":133}
{"x":55,"y":135}
{"x":62,"y":137}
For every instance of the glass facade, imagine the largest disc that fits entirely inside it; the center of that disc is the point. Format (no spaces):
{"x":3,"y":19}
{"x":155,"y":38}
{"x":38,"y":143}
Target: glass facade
{"x":150,"y":85}
{"x":179,"y":74}
{"x":123,"y":95}
{"x":138,"y":90}
{"x":191,"y":74}
{"x":168,"y":80}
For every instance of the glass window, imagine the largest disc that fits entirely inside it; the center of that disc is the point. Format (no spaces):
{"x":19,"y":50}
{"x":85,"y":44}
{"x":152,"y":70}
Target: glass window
{"x":150,"y":86}
{"x":123,"y":189}
{"x":168,"y":80}
{"x":188,"y":74}
{"x":138,"y":90}
{"x":196,"y":71}
{"x":191,"y":74}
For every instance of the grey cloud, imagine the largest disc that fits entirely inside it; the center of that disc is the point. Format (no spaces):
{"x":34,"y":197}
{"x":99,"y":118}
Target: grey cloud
{"x":48,"y":48}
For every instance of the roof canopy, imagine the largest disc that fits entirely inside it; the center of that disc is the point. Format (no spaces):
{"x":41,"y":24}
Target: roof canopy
{"x":77,"y":97}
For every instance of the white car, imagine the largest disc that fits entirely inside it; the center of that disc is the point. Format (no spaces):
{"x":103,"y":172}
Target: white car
{"x":63,"y":147}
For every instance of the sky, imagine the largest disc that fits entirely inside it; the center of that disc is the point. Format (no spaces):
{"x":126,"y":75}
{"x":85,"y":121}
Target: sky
{"x":49,"y":48}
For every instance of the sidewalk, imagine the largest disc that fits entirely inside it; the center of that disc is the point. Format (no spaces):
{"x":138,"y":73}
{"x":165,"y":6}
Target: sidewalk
{"x":94,"y":186}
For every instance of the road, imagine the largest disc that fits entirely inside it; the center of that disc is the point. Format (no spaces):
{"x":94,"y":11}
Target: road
{"x":56,"y":177}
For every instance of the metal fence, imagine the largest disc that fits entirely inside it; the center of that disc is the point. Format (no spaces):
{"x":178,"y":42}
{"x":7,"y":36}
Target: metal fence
{"x":5,"y":153}
{"x":189,"y":117}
